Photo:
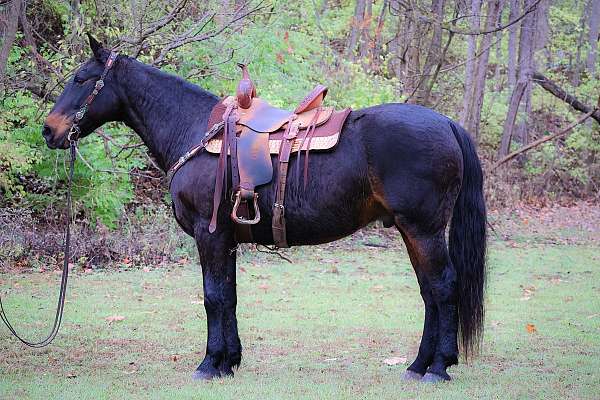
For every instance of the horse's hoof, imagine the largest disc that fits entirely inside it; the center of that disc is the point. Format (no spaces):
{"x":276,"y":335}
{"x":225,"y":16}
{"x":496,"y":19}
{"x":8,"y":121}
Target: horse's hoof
{"x":409,"y":375}
{"x":204,"y":376}
{"x":430,"y":377}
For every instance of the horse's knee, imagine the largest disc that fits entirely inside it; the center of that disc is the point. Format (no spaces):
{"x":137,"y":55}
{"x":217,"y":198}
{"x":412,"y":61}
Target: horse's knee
{"x":212,"y":299}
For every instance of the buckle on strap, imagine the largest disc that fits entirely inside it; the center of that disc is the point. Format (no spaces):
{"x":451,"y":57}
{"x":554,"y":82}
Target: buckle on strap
{"x":241,"y":220}
{"x":73,"y":135}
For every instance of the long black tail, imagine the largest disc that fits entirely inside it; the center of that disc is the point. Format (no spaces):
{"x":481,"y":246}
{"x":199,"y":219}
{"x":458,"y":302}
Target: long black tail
{"x":467,"y":245}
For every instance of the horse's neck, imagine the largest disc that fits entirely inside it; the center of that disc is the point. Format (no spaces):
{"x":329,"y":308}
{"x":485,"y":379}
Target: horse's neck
{"x":168,"y":113}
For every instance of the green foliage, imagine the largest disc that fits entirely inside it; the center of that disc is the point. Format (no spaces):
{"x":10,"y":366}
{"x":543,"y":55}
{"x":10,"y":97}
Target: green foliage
{"x":24,"y":154}
{"x":19,"y":150}
{"x":495,"y":107}
{"x":290,"y":48}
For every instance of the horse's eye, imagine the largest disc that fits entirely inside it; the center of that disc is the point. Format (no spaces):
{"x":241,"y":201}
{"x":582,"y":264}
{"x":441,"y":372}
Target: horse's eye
{"x":79,"y":80}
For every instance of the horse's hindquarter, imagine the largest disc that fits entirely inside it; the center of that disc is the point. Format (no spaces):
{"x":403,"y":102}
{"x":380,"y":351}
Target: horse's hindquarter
{"x":416,"y":162}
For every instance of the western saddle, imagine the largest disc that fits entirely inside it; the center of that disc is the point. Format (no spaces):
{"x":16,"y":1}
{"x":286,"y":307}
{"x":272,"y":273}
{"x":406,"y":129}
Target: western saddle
{"x":252,"y":131}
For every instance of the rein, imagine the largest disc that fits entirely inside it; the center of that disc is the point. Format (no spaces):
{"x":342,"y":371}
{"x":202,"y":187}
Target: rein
{"x":72,"y":137}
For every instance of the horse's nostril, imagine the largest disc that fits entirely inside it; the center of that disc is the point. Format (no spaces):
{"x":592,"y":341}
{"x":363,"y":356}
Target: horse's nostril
{"x":46,"y":132}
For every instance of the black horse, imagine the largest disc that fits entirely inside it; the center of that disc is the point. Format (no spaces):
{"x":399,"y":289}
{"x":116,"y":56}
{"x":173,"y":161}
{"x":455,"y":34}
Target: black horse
{"x":403,"y":164}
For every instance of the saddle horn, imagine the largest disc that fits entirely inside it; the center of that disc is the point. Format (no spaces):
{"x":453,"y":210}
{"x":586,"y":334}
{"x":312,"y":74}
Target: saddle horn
{"x":245,"y":89}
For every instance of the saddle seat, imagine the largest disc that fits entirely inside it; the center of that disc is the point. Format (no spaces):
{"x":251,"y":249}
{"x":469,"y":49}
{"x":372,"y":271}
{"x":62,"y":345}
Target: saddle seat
{"x":263,"y":117}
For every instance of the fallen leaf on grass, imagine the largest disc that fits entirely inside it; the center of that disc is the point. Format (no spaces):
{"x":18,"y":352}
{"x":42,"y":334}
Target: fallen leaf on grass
{"x":395,"y":360}
{"x":114,"y":318}
{"x":531,"y":328}
{"x":377,"y":288}
{"x":528,"y":292}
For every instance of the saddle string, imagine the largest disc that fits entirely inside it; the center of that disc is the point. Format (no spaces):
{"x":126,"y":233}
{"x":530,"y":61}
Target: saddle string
{"x":65,"y":270}
{"x":312,"y":126}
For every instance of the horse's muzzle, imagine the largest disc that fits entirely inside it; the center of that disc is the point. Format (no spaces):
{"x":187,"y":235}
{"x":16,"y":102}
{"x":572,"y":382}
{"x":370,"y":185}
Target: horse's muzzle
{"x":52,"y":141}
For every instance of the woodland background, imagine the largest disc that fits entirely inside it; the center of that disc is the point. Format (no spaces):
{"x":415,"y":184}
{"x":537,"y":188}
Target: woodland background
{"x":511,"y":71}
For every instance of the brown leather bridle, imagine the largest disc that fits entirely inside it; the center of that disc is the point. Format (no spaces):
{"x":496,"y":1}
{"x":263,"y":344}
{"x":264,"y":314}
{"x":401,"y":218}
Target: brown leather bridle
{"x":74,"y":132}
{"x":72,"y":137}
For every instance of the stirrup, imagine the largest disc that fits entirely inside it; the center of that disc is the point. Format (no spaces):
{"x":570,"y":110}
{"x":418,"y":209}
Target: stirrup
{"x":241,"y":220}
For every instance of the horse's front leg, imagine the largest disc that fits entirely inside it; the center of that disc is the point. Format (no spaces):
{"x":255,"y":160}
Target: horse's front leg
{"x":218,"y":260}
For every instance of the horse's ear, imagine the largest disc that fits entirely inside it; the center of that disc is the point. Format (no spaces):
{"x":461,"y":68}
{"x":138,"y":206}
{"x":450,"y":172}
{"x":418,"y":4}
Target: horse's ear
{"x":96,"y":47}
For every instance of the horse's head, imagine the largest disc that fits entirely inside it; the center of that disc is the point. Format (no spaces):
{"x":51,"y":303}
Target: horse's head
{"x":105,"y":106}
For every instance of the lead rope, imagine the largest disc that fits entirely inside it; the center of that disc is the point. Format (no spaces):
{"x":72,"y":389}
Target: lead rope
{"x":72,"y":137}
{"x":65,"y":271}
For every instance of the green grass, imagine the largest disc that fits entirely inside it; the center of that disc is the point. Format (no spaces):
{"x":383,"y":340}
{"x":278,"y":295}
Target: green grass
{"x":318,"y":329}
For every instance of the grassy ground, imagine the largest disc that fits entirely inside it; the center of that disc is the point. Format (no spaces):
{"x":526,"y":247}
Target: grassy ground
{"x":319,"y":328}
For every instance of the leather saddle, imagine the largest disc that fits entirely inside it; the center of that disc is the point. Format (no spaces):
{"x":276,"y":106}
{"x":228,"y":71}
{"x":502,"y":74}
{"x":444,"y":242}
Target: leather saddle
{"x":252,"y":131}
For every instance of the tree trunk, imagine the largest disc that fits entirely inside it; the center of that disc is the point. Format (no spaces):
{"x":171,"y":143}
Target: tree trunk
{"x":511,"y":116}
{"x":411,"y":52}
{"x":474,"y":11}
{"x":433,"y":55}
{"x":355,"y":28}
{"x":376,"y":51}
{"x":534,"y":34}
{"x":473,"y":114}
{"x":365,"y":31}
{"x":394,"y":65}
{"x":576,"y":80}
{"x":497,"y":71}
{"x":12,"y":22}
{"x":526,"y":67}
{"x":594,"y":24}
{"x":512,"y":42}
{"x":76,"y":27}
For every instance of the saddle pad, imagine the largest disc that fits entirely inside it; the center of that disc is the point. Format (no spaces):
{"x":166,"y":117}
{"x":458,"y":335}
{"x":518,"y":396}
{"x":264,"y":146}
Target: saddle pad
{"x":325,"y":136}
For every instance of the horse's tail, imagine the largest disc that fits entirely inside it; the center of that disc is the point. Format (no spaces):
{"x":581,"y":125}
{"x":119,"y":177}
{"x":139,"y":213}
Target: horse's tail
{"x":467,"y":245}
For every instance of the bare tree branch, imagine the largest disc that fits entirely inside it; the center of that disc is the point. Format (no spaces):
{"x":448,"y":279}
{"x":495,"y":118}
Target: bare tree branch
{"x":156,"y":25}
{"x":194,"y":34}
{"x":559,"y":92}
{"x":445,"y":26}
{"x":543,"y":140}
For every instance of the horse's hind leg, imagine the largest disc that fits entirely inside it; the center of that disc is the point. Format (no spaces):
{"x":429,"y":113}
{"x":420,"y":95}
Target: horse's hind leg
{"x":437,"y":279}
{"x":223,"y":347}
{"x":430,"y":324}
